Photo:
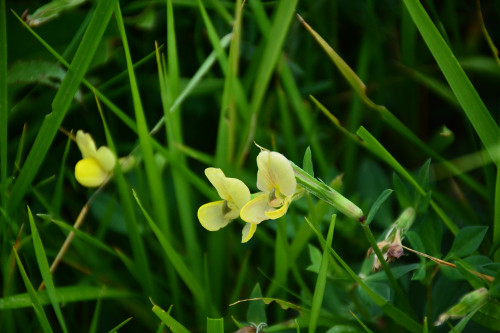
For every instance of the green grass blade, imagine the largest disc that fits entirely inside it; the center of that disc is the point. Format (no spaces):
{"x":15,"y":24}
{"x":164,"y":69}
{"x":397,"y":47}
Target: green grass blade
{"x":282,"y":18}
{"x":215,"y":325}
{"x":85,"y":237}
{"x":62,"y":101}
{"x":4,"y":107}
{"x":168,"y":320}
{"x":43,"y":265}
{"x":376,"y":205}
{"x":58,"y":191}
{"x":396,"y":314}
{"x":95,"y":318}
{"x":496,"y":218}
{"x":153,"y":173}
{"x":120,"y":325}
{"x":376,"y":148}
{"x":226,"y":133}
{"x":187,"y":276}
{"x":141,"y":262}
{"x":467,"y":96}
{"x":319,"y":290}
{"x":33,"y":298}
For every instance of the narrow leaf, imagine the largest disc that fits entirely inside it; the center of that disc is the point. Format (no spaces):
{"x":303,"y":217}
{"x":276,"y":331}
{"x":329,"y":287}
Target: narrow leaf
{"x":319,"y":290}
{"x":43,"y":265}
{"x":376,"y":205}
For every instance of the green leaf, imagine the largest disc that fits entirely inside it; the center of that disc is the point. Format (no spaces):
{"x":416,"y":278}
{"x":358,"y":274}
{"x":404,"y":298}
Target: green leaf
{"x":4,"y":107}
{"x":120,"y":325}
{"x":402,"y":193}
{"x":256,"y":312}
{"x":307,"y":164}
{"x":215,"y":325}
{"x":474,"y":108}
{"x":77,"y":293}
{"x":171,"y":323}
{"x":32,"y":297}
{"x":319,"y":290}
{"x":376,"y":205}
{"x":282,"y":18}
{"x":176,"y":260}
{"x":467,"y":241}
{"x":43,"y":265}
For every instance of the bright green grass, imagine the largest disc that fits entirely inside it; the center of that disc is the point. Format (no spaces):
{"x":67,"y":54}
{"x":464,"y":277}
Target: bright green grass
{"x":356,"y":93}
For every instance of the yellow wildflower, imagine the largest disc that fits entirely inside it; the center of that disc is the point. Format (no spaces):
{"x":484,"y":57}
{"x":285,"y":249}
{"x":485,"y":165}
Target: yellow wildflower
{"x":276,"y":180}
{"x":96,"y":165}
{"x":234,"y":194}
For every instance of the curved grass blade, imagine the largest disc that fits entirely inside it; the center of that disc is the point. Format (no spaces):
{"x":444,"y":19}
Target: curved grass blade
{"x":33,"y":298}
{"x":43,"y":265}
{"x":69,"y":294}
{"x":466,"y":94}
{"x":175,"y":259}
{"x":376,"y":148}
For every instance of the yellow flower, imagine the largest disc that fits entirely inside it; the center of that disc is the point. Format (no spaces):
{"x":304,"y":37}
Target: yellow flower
{"x":276,"y":180}
{"x":96,"y":165}
{"x":234,"y":194}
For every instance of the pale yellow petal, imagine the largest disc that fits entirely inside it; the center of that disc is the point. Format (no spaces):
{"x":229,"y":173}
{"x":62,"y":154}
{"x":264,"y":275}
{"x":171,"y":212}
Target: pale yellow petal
{"x":230,"y":189}
{"x":86,"y":144}
{"x":237,"y":192}
{"x":106,"y":158}
{"x":248,"y":231}
{"x":254,"y":211}
{"x":275,"y":214}
{"x":89,"y":173}
{"x":211,"y":217}
{"x":275,"y":171}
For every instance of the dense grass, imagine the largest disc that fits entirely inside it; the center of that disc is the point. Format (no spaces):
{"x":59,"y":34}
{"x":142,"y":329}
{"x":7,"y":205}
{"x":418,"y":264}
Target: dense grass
{"x":388,"y":111}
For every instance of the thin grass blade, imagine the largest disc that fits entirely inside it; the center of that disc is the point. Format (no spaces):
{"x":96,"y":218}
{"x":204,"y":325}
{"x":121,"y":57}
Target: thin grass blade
{"x":187,"y":276}
{"x":4,"y":107}
{"x":168,"y":320}
{"x":473,"y":106}
{"x":319,"y":290}
{"x":43,"y":265}
{"x":33,"y":298}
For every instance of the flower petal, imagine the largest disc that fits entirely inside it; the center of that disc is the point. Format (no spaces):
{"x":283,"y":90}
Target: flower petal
{"x":275,"y":171}
{"x":106,"y":158}
{"x":248,"y":231}
{"x":89,"y":173}
{"x":86,"y":144}
{"x":230,"y":189}
{"x":211,"y":217}
{"x":275,"y":214}
{"x":254,"y":211}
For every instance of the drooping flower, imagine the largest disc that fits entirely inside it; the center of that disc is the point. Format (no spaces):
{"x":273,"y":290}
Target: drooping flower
{"x":234,"y":194}
{"x":96,"y":165}
{"x":276,"y":180}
